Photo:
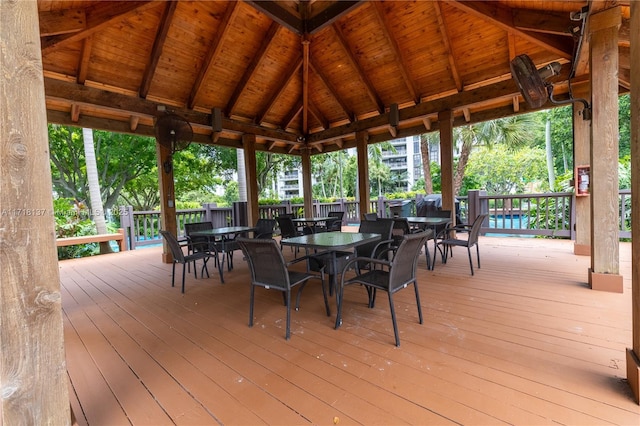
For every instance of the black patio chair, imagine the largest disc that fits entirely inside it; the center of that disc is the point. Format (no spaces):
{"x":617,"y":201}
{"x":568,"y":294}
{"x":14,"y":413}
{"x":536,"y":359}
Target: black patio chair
{"x":180,"y":257}
{"x":390,"y":276}
{"x":448,"y":241}
{"x":264,"y":228}
{"x":201,"y":243}
{"x":370,"y":216}
{"x":335,"y":224}
{"x":287,"y":229}
{"x":270,"y":271}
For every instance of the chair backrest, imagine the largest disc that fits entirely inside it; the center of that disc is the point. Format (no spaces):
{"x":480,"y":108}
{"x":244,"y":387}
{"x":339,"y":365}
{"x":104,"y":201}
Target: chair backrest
{"x":401,"y":226}
{"x":336,"y":214}
{"x":383,"y":227}
{"x":264,"y":228}
{"x":336,"y":223}
{"x":405,"y":260}
{"x":197,"y":243}
{"x":266,"y":263}
{"x":287,"y":227}
{"x":174,"y":246}
{"x":370,"y":216}
{"x":475,"y":229}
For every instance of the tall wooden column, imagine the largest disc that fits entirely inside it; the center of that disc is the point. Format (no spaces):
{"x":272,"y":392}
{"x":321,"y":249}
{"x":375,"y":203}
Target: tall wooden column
{"x":167,"y":196}
{"x":33,"y":374}
{"x":251,"y":173}
{"x":582,"y":157}
{"x":446,"y":161}
{"x":605,"y":248}
{"x":307,"y":186}
{"x":633,"y":353}
{"x":362,"y":146}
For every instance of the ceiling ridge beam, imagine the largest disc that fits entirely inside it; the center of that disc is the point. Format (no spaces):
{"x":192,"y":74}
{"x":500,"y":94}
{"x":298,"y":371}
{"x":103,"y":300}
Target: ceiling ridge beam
{"x":212,"y":53}
{"x":329,"y":15}
{"x":272,"y":32}
{"x":399,"y":58}
{"x":503,"y":17}
{"x":361,"y":74}
{"x":156,"y":50}
{"x":278,"y":14}
{"x":98,"y":17}
{"x":283,"y":84}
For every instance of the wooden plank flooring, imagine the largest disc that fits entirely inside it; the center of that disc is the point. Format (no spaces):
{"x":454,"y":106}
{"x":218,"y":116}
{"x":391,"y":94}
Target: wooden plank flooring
{"x":524,"y":341}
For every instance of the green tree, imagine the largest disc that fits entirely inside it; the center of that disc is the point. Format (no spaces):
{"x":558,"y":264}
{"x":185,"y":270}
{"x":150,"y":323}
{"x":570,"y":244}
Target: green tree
{"x":502,"y":171}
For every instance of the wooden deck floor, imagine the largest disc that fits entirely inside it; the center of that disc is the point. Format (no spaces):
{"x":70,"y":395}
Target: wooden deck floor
{"x":524,"y":341}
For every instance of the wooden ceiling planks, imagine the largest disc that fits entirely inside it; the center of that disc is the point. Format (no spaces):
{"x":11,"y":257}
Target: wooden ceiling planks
{"x":246,"y":58}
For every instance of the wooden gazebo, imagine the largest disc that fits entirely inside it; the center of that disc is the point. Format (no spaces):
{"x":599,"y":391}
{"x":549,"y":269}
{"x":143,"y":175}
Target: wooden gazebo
{"x":293,"y":77}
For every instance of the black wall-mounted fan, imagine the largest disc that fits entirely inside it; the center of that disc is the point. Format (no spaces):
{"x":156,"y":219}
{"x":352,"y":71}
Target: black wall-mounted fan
{"x":173,"y":132}
{"x":533,"y":84}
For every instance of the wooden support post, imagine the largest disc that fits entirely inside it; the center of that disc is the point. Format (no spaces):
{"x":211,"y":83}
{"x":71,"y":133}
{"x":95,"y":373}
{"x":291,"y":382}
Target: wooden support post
{"x":167,"y":196}
{"x":603,"y":56}
{"x":582,"y":156}
{"x":33,"y":374}
{"x":362,"y":146}
{"x":306,"y":182}
{"x":251,"y":173}
{"x":633,"y":353}
{"x":446,"y":162}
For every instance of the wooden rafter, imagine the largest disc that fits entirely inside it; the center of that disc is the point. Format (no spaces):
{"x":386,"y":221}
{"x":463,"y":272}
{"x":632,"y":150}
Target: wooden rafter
{"x":293,"y":70}
{"x":558,"y":23}
{"x":278,"y":14}
{"x":371,"y":92}
{"x":156,"y":50}
{"x":249,"y":72}
{"x":98,"y":17}
{"x":331,"y":89}
{"x":318,"y":115}
{"x":503,"y":17}
{"x":292,"y":114}
{"x":62,"y":22}
{"x":85,"y":56}
{"x":305,"y":86}
{"x":447,"y":45}
{"x":512,"y":55}
{"x":399,"y":58}
{"x":212,"y":53}
{"x":329,"y":15}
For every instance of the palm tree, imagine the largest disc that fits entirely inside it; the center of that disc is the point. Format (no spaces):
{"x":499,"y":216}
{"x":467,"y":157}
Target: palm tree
{"x":97,"y":210}
{"x":513,"y":132}
{"x":426,"y":140}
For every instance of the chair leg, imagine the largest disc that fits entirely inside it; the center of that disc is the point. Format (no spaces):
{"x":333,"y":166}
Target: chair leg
{"x":415,"y":286}
{"x":470,"y":261}
{"x":288,"y":332}
{"x":204,"y":267}
{"x":324,"y":294}
{"x":426,"y":255}
{"x":251,"y":292}
{"x":393,"y":318}
{"x":339,"y":295}
{"x":173,"y":275}
{"x":184,"y":269}
{"x":478,"y":254}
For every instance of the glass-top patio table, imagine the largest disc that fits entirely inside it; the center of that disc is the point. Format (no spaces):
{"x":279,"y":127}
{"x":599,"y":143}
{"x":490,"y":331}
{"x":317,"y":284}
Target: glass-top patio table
{"x":331,"y":242}
{"x":433,"y":223}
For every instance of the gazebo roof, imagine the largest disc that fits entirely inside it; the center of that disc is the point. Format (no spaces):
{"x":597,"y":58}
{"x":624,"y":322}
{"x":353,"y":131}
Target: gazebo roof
{"x":303,"y":74}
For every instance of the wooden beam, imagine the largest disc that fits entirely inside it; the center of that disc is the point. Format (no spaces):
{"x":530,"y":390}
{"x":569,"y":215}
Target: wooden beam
{"x":369,"y":89}
{"x":272,"y":32}
{"x":87,"y":96}
{"x":215,"y":48}
{"x":318,"y":115}
{"x":305,"y":86}
{"x":447,"y":145}
{"x":317,"y":71}
{"x":307,"y":184}
{"x":75,"y":112}
{"x":329,"y":15}
{"x":605,"y":260}
{"x":56,"y":22}
{"x":158,"y":45}
{"x":278,"y":14}
{"x":251,"y":171}
{"x":99,"y":16}
{"x":33,"y":376}
{"x":399,"y":58}
{"x":447,"y":46}
{"x":292,"y":114}
{"x":633,"y":353}
{"x":503,"y":89}
{"x":85,"y":56}
{"x":362,"y":142}
{"x":502,"y":16}
{"x":544,"y":21}
{"x":287,"y":77}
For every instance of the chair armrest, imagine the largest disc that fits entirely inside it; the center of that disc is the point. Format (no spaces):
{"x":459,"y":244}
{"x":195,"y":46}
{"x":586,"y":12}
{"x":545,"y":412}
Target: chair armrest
{"x":369,"y":260}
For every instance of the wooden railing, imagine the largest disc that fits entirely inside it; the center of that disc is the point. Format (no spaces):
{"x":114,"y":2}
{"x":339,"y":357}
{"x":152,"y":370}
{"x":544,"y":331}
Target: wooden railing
{"x":546,"y":214}
{"x":118,"y":237}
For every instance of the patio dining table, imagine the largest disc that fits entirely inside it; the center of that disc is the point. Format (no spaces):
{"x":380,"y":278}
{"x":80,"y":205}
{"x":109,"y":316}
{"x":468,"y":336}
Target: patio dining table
{"x":225,"y":236}
{"x":432,"y":223}
{"x":331,"y":243}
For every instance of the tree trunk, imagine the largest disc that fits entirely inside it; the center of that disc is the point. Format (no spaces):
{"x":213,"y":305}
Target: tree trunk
{"x":242,"y":178}
{"x":426,"y":164}
{"x":465,"y":152}
{"x":97,"y":211}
